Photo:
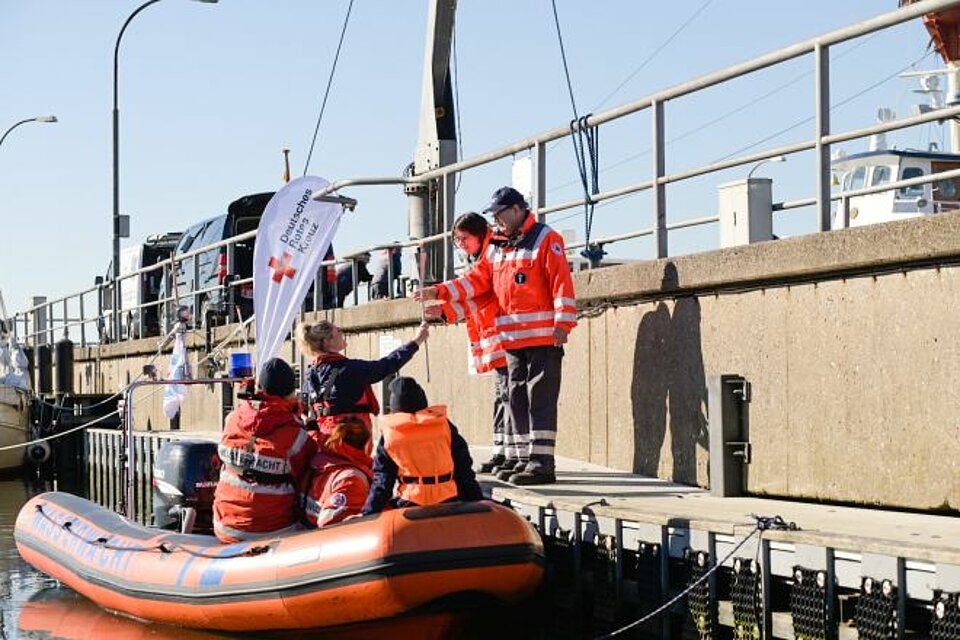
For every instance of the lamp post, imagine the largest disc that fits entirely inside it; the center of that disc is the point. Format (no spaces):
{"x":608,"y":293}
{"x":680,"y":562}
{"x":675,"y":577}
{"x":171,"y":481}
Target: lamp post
{"x":116,"y":167}
{"x":37,"y":119}
{"x":763,"y":162}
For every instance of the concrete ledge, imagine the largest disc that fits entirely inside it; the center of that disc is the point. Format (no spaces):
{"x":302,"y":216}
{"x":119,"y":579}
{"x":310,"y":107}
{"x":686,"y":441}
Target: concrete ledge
{"x":872,"y":248}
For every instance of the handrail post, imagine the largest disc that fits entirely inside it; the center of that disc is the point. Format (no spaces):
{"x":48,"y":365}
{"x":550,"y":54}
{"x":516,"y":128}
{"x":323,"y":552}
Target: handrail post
{"x":390,"y":288}
{"x":449,"y":193}
{"x":197,"y":311}
{"x":540,"y":178}
{"x":353,"y":276}
{"x":128,"y":507}
{"x":163,"y":295}
{"x":659,"y":188}
{"x":821,"y":55}
{"x":83,"y":324}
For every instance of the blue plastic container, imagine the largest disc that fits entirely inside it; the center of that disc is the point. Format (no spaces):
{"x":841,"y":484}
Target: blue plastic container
{"x":241,"y":365}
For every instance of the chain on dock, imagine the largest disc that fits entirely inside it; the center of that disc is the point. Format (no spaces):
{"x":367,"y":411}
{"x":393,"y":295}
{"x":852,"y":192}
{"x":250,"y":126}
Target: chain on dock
{"x":762,"y":523}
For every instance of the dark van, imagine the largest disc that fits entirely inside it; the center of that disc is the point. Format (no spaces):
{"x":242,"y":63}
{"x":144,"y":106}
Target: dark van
{"x":212,"y":273}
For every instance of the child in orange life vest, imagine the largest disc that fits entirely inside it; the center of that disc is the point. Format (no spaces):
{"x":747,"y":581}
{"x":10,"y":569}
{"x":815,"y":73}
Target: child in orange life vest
{"x":341,"y":474}
{"x":422,"y":451}
{"x":265,"y":451}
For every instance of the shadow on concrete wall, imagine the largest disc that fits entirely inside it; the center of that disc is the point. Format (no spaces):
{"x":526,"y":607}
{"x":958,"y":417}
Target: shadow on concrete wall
{"x":668,"y":381}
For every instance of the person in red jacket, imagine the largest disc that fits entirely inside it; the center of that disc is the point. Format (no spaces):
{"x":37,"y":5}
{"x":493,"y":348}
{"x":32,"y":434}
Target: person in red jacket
{"x":265,"y":451}
{"x":529,"y":274}
{"x":472,"y":234}
{"x":341,"y":474}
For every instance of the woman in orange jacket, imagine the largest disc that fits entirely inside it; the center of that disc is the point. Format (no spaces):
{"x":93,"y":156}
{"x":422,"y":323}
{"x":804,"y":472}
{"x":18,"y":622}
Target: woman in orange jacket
{"x":340,"y":477}
{"x":472,"y":234}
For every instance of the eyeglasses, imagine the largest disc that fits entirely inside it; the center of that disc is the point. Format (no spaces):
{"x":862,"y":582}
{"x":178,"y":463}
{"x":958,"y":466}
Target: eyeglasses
{"x":460,"y":238}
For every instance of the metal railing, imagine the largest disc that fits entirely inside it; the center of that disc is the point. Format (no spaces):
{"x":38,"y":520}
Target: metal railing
{"x":41,"y":322}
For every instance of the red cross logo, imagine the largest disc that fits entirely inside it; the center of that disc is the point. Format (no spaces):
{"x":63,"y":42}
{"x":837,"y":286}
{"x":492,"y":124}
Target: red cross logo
{"x":281,"y":267}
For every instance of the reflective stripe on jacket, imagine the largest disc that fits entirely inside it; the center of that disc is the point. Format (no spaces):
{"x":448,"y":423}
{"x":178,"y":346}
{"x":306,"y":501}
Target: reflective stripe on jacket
{"x":530,"y":278}
{"x":265,"y":452}
{"x":339,"y":486}
{"x":480,"y":314}
{"x":419,"y":443}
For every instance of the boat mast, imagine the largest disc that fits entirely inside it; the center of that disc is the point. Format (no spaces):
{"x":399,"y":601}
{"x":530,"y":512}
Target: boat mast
{"x":430,"y":208}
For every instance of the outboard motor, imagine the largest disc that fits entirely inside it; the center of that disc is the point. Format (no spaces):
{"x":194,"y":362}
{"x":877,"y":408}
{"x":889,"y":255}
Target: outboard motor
{"x":184,"y":478}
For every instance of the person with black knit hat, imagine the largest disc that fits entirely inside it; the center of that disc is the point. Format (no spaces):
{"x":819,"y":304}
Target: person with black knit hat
{"x":421,"y":452}
{"x":266,"y":452}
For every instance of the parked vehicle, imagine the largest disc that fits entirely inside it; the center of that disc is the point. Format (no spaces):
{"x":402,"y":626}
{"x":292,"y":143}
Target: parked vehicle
{"x":138,"y":321}
{"x":205,"y":282}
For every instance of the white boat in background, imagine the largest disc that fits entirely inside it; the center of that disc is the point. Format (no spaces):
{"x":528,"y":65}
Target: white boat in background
{"x":14,"y":422}
{"x":15,"y":397}
{"x":881,"y":165}
{"x":874,"y":168}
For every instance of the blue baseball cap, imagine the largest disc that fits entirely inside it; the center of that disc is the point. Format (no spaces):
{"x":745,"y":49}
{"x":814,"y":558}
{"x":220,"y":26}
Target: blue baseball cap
{"x":502,"y":198}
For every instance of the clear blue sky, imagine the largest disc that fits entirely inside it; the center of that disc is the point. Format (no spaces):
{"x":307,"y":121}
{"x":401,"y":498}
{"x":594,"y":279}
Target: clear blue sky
{"x":210,"y":94}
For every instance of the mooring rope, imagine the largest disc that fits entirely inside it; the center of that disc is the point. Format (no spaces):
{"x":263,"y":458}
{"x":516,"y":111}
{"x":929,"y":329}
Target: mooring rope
{"x":163,"y":547}
{"x":586,"y":149}
{"x":216,"y":351}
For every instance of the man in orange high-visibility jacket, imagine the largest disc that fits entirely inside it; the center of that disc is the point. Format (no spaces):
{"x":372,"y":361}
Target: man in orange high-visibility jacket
{"x":421,"y":450}
{"x":265,"y":451}
{"x":529,"y":273}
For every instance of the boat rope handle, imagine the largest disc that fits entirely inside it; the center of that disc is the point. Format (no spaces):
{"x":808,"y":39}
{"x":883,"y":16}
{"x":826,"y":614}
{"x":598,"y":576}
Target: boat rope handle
{"x":162,"y":547}
{"x":763,"y":523}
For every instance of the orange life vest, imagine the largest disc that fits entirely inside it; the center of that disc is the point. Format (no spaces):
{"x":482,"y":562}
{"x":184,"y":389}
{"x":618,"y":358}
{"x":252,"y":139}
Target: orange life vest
{"x":419,"y":443}
{"x":265,"y":452}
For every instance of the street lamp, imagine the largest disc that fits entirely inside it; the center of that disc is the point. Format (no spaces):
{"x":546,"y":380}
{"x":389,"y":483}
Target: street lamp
{"x":116,"y":167}
{"x":37,"y":119}
{"x":763,"y":162}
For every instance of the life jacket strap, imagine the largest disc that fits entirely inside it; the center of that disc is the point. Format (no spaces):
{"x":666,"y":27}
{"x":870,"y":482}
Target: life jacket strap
{"x":447,"y":477}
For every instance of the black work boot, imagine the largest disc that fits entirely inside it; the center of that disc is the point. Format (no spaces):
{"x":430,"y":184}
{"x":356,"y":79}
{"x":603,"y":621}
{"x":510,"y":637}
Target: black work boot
{"x":507,"y":469}
{"x":533,"y":473}
{"x":489,"y":465}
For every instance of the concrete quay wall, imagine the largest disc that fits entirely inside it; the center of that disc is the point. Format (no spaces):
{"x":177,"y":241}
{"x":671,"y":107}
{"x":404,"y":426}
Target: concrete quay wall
{"x":849,"y":341}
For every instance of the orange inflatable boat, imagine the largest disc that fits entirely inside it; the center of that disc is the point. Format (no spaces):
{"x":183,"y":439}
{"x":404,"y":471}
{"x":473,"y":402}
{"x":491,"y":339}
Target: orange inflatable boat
{"x":368,"y":568}
{"x":60,"y":613}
